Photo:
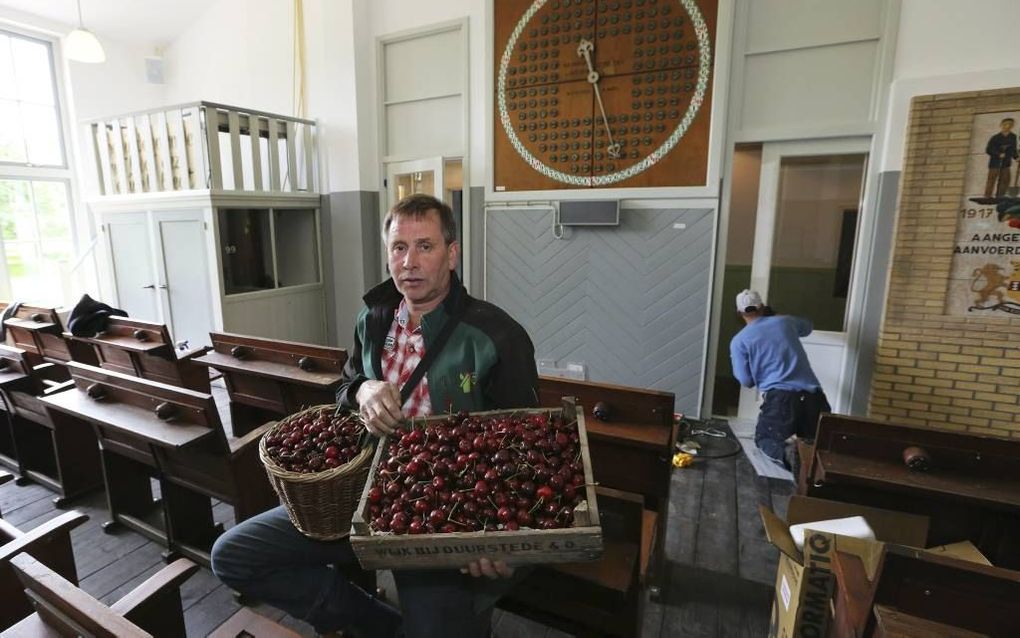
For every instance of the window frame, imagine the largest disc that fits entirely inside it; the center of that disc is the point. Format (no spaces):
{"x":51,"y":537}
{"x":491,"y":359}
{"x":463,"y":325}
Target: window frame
{"x":58,"y":102}
{"x":34,"y":172}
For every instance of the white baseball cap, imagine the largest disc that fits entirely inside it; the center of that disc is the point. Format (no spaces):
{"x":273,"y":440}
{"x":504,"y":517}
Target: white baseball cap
{"x":748,"y":299}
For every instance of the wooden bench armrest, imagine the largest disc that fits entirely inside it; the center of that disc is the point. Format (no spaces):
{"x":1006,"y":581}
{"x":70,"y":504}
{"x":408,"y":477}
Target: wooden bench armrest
{"x":49,"y":371}
{"x":64,"y":600}
{"x":242,"y":444}
{"x":52,"y":387}
{"x":167,"y":579}
{"x":62,"y":524}
{"x":191,"y":353}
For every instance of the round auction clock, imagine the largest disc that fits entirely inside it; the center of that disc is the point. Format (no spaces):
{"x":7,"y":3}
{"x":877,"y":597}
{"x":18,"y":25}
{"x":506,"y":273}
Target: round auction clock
{"x":591,"y":93}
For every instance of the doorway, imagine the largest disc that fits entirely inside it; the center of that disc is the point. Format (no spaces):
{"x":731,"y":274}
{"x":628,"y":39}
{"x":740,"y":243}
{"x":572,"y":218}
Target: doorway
{"x":792,"y":237}
{"x":443,"y":178}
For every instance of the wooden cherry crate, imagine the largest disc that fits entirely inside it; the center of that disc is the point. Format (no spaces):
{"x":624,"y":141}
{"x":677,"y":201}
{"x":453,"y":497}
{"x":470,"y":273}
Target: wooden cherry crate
{"x":581,"y":542}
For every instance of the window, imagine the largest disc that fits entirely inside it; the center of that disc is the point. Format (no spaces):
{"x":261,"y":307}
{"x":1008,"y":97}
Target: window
{"x":36,"y":229}
{"x":266,"y":248}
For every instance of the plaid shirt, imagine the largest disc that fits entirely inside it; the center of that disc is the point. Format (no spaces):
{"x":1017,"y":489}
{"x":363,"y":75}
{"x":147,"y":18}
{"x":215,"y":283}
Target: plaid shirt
{"x":402,"y":351}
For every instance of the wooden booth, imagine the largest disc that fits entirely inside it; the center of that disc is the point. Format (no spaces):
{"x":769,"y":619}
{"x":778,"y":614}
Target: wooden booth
{"x":210,"y":220}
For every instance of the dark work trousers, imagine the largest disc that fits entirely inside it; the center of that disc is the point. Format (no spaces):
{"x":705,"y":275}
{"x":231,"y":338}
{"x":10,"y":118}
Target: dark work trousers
{"x":785,"y":413}
{"x":269,"y":560}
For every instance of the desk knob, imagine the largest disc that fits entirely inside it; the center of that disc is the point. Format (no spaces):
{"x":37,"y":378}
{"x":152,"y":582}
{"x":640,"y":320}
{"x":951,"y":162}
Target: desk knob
{"x":96,"y":391}
{"x":140,"y":335}
{"x":239,"y":352}
{"x":917,"y":458}
{"x":306,"y":363}
{"x":601,"y":411}
{"x":165,"y":411}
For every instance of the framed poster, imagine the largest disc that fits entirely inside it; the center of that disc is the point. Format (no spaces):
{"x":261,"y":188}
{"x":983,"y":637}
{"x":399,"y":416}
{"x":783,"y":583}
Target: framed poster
{"x":985,"y":274}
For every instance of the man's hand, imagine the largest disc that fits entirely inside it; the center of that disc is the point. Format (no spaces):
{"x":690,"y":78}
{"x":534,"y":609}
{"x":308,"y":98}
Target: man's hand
{"x":379,"y":403}
{"x":488,"y":568}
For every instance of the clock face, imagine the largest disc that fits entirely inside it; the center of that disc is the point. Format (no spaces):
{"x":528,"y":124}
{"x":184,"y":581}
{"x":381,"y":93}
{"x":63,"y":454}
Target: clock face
{"x":602,"y":93}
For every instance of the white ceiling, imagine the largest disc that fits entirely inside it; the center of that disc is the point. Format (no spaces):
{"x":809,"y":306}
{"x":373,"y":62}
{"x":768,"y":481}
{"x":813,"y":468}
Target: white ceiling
{"x":155,"y":22}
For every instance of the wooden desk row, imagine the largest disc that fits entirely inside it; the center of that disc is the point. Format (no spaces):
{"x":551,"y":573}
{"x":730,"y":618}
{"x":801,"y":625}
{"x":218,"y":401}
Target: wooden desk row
{"x":918,"y":593}
{"x":971,"y":490}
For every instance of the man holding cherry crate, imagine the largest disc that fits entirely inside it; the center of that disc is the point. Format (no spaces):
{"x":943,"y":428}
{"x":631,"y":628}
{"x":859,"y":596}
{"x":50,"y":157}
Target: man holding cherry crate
{"x":422,"y":346}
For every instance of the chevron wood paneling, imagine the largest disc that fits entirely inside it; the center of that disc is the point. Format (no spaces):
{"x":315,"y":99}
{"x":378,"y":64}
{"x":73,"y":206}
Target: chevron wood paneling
{"x":627,"y":301}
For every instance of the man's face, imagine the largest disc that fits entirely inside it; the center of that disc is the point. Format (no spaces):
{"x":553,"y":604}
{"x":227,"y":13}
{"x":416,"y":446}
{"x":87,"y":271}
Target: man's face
{"x":1007,"y":126}
{"x":420,"y":261}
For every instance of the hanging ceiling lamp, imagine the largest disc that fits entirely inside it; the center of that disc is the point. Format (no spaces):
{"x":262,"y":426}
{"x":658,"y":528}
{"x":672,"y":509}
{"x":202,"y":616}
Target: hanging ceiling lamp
{"x":82,"y":45}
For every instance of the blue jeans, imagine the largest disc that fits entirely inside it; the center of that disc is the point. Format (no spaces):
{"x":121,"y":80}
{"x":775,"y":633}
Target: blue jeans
{"x":268,"y":559}
{"x":785,"y":413}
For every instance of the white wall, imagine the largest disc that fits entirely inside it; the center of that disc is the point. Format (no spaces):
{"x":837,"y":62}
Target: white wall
{"x":239,"y":53}
{"x":944,"y":47}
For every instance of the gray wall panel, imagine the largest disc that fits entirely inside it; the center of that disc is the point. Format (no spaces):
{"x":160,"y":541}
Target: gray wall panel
{"x":629,"y":302}
{"x":876,"y":285}
{"x":350,"y":258}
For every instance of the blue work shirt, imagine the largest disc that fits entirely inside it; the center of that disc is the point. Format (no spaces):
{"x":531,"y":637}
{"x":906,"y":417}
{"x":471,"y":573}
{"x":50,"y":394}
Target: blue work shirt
{"x":767,"y":353}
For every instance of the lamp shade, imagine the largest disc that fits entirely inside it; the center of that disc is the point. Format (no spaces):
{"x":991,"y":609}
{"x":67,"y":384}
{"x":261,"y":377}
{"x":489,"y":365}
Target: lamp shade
{"x":81,"y":45}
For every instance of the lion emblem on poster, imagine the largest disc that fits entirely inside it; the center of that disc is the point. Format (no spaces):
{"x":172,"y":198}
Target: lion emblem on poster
{"x":988,"y":281}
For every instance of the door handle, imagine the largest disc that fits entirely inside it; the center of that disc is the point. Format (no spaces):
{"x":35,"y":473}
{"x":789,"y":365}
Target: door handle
{"x":162,"y":286}
{"x":150,"y":286}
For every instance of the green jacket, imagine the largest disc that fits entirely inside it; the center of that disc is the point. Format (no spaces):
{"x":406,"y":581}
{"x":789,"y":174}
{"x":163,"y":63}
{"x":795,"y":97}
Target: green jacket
{"x":488,"y":363}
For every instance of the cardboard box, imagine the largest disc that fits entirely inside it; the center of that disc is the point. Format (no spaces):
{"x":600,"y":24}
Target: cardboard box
{"x":963,"y":550}
{"x":804,"y":580}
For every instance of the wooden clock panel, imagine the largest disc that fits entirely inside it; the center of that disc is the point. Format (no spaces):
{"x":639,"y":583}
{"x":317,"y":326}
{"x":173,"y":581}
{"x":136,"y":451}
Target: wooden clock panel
{"x":647,"y":55}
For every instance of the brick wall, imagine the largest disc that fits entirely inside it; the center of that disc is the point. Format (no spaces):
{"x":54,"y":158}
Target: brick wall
{"x":933,"y":369}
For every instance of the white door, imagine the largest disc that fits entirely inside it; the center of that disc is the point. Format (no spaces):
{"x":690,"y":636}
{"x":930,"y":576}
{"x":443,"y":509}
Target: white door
{"x":410,"y":177}
{"x":131,"y":261}
{"x":805,"y":235}
{"x":184,"y":276}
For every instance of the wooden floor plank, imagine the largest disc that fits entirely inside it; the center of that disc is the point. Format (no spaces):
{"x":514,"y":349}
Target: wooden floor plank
{"x":716,"y":546}
{"x":685,"y":489}
{"x":681,"y":538}
{"x":753,"y":491}
{"x":13,"y":496}
{"x":103,"y":581}
{"x":758,"y":560}
{"x":210,"y":612}
{"x":198,"y":587}
{"x":127,"y":586}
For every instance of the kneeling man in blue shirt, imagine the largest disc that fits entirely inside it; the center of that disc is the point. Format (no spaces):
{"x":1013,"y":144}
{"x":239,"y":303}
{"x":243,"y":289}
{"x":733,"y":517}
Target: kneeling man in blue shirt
{"x":767,"y":353}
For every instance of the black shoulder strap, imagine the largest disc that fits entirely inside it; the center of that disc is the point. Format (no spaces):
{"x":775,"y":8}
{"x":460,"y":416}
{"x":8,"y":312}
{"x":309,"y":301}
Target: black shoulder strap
{"x":430,"y":356}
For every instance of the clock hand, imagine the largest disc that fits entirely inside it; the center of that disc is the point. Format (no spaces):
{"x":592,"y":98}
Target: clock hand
{"x":584,"y":49}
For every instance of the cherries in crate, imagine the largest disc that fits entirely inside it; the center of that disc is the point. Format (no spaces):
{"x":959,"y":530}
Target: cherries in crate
{"x":473,"y":473}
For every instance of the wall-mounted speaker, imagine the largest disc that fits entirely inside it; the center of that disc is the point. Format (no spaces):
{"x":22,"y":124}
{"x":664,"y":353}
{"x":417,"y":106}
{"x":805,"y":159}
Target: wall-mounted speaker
{"x":154,"y":70}
{"x":589,"y":213}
